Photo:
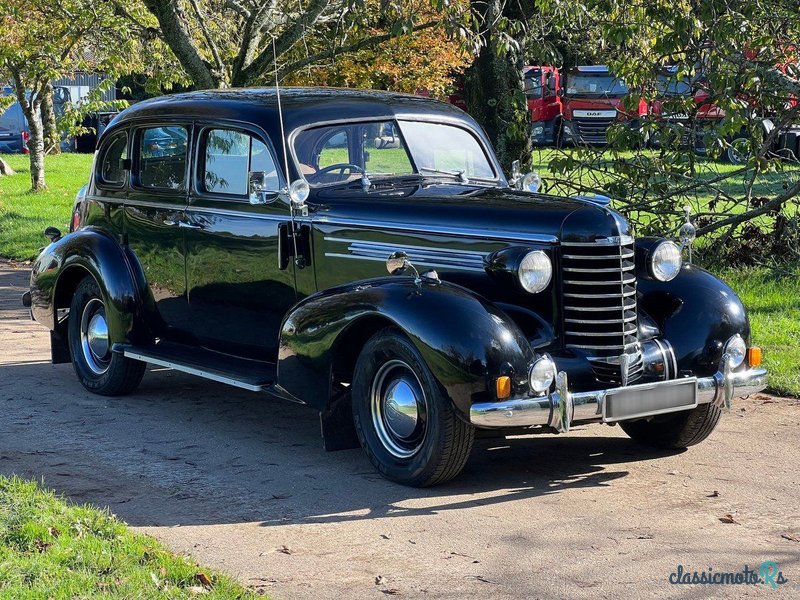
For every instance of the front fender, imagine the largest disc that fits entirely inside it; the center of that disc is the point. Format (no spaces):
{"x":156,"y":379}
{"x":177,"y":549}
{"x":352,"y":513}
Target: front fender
{"x":465,"y":340}
{"x":697,"y":313}
{"x":90,"y":251}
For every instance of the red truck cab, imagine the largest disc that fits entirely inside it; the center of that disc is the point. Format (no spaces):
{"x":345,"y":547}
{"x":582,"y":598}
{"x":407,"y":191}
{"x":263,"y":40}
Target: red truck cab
{"x":542,"y":85}
{"x":592,"y":99}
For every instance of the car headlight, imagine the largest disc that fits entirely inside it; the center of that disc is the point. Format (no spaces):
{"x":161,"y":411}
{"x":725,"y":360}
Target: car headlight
{"x":542,"y":374}
{"x":666,"y":261}
{"x":736,"y":348}
{"x":535,"y":271}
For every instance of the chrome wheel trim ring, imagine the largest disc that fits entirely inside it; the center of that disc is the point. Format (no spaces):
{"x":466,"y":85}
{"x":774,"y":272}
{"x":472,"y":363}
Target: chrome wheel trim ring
{"x":399,"y":409}
{"x":95,"y":345}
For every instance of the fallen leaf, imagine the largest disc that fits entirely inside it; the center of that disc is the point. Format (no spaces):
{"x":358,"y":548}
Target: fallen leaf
{"x":204,"y":579}
{"x":281,"y":496}
{"x":384,"y":536}
{"x":483,"y":579}
{"x":379,"y":580}
{"x":644,"y":536}
{"x":391,"y":591}
{"x":285,"y":550}
{"x":728,"y":518}
{"x":790,"y":537}
{"x":54,"y":531}
{"x":672,"y":472}
{"x":412,"y":542}
{"x":714,"y":494}
{"x":162,"y":571}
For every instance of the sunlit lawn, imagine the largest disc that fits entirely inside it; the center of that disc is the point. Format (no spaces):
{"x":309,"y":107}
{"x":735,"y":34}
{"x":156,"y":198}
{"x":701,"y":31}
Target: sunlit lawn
{"x":774,"y":304}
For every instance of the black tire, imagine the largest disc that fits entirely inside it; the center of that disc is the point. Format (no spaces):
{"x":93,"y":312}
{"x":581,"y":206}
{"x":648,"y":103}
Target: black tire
{"x":738,"y":152}
{"x":439,"y":445}
{"x":105,"y":373}
{"x":675,"y":430}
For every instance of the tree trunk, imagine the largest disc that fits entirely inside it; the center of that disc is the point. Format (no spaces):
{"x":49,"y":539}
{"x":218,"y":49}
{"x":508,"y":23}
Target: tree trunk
{"x":52,"y":140}
{"x":495,"y":93}
{"x":36,"y":147}
{"x":5,"y":168}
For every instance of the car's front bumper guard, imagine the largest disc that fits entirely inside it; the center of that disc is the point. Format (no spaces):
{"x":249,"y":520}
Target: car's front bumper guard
{"x":562,"y":407}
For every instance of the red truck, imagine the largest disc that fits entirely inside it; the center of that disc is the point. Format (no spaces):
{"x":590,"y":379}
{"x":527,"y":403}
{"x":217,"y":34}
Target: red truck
{"x":592,"y":98}
{"x":542,"y":85}
{"x":670,"y":107}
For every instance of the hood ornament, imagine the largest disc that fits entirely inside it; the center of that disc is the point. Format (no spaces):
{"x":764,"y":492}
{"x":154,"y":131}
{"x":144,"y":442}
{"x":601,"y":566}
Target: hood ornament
{"x":688,"y":232}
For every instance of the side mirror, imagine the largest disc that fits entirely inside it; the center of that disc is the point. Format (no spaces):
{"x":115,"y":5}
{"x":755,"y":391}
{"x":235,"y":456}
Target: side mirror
{"x":397,"y":263}
{"x":52,"y":233}
{"x":259,"y":188}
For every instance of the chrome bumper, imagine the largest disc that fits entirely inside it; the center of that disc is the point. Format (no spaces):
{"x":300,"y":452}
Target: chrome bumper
{"x":562,"y":407}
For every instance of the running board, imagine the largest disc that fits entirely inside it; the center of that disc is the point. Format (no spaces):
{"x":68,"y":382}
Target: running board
{"x":252,"y":375}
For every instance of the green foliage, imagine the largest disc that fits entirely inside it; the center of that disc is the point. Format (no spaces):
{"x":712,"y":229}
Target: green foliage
{"x":53,"y":549}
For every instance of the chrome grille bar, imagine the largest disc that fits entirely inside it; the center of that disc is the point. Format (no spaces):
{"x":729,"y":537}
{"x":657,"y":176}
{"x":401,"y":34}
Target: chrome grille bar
{"x":607,"y":324}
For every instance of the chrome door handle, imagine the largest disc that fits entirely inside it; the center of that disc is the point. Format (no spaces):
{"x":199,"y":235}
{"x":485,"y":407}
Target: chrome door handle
{"x":186,"y":225}
{"x":171,"y":222}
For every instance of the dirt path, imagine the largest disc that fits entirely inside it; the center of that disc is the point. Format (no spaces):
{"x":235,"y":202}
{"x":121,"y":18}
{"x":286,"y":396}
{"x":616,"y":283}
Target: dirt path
{"x":240,"y":482}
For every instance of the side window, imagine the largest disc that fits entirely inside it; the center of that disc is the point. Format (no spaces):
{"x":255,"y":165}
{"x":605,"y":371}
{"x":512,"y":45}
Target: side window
{"x":384,"y":151}
{"x":115,"y":151}
{"x":335,"y":150}
{"x":229,"y":158}
{"x":162,"y":157}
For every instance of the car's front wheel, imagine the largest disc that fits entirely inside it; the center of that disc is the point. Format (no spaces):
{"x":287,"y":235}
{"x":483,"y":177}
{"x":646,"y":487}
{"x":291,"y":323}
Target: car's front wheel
{"x":405,"y":422}
{"x":675,"y":430}
{"x":98,"y":368}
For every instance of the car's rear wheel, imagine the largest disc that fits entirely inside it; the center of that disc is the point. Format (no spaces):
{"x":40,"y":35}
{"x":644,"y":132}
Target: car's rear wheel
{"x":675,"y":430}
{"x":98,"y":368}
{"x":405,"y":422}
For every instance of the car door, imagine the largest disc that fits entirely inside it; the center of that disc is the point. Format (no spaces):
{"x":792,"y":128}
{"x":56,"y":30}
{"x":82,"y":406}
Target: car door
{"x":239,"y":280}
{"x":155,"y":219}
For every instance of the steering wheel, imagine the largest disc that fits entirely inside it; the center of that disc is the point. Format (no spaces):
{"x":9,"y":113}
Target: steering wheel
{"x":341,"y":167}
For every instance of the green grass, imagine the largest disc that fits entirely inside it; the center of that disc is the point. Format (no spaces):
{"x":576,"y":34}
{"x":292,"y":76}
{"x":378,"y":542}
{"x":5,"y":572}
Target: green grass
{"x":773,"y":304}
{"x":24,"y":216}
{"x":50,"y":548}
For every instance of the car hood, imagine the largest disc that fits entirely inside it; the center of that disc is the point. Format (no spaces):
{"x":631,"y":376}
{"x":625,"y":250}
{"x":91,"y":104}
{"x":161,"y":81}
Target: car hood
{"x":500,"y":213}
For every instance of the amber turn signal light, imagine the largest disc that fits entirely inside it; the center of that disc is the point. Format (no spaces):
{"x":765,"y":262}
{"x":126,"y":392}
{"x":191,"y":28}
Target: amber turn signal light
{"x":754,"y":356}
{"x":503,"y":387}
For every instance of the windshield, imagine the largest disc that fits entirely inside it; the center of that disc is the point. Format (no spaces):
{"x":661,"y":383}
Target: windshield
{"x":348,"y":151}
{"x":669,"y":86}
{"x":594,"y":84}
{"x":533,"y":84}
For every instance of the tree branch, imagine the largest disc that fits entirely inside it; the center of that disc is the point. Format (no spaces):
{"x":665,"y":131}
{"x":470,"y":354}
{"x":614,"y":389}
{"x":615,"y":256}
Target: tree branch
{"x":174,"y":32}
{"x":207,"y":35}
{"x":369,"y":42}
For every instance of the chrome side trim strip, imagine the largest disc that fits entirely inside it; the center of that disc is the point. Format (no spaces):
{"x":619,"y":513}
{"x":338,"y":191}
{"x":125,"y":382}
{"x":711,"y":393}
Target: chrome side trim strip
{"x":440,"y":230}
{"x":420,"y":255}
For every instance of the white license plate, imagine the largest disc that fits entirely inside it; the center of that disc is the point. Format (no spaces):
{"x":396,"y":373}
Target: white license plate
{"x":650,"y":399}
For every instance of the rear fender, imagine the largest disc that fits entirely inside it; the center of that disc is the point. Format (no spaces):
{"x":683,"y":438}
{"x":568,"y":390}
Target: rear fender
{"x":466,"y":341}
{"x":63,"y":264}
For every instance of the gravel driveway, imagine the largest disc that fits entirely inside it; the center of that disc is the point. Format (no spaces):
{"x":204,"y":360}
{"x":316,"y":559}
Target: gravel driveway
{"x":240,"y":482}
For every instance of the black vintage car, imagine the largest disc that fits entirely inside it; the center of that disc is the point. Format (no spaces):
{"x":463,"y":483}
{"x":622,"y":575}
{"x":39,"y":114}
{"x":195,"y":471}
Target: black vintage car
{"x":244,"y":236}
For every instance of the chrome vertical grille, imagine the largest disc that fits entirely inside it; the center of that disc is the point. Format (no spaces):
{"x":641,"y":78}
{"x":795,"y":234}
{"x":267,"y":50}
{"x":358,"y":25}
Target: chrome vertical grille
{"x":599,"y":306}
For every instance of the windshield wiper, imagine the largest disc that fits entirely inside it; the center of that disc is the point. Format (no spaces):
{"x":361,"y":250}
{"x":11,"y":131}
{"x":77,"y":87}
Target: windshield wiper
{"x":460,"y":174}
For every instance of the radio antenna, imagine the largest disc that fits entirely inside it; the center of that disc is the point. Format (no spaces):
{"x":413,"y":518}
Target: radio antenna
{"x":280,"y":111}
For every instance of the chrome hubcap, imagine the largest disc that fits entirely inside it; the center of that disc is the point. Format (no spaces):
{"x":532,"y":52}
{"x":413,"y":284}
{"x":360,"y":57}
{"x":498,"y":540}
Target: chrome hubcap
{"x":399,"y":409}
{"x":94,"y":337}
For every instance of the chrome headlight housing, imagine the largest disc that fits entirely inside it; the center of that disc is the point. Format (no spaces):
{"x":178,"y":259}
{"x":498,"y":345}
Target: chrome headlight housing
{"x":535,"y":271}
{"x":665,"y":261}
{"x":542,"y":374}
{"x":736,"y":348}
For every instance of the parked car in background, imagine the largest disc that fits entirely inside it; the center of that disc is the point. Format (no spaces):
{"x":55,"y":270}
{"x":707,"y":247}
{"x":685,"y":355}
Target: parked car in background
{"x":245,"y":241}
{"x":592,"y":99}
{"x":14,"y":132}
{"x":542,"y":86}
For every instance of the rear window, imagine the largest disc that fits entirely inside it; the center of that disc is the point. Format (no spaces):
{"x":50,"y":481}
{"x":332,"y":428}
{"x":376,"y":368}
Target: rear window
{"x":114,"y":152}
{"x":162,"y":157}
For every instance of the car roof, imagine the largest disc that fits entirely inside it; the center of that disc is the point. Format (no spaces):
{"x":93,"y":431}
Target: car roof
{"x":300,"y":106}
